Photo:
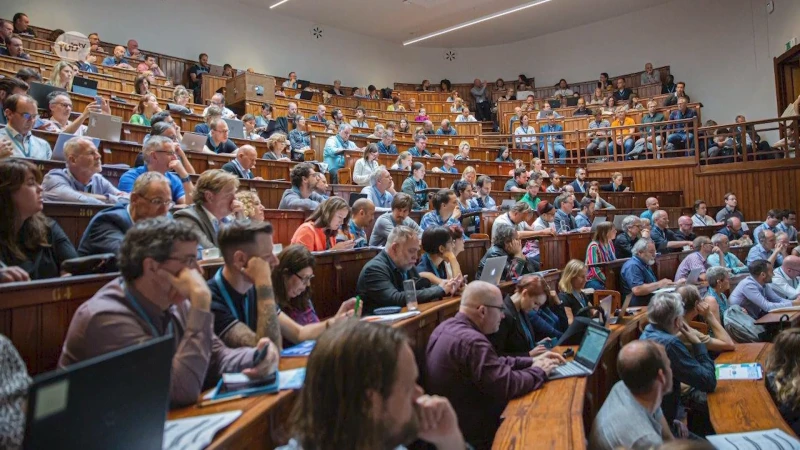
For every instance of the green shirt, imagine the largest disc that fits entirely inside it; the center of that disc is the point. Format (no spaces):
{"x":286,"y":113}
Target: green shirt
{"x":140,"y":119}
{"x":533,"y":202}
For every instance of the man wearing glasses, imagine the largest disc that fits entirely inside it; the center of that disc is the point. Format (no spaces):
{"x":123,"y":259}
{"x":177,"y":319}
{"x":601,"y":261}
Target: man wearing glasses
{"x":21,"y":114}
{"x":703,"y":248}
{"x":242,"y":295}
{"x":80,"y":181}
{"x":161,"y":292}
{"x":160,"y":156}
{"x":150,"y":198}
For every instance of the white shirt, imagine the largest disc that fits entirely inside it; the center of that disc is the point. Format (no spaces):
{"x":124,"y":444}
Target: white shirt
{"x":363,"y":171}
{"x":702,"y":221}
{"x":785,"y":286}
{"x":461,"y":118}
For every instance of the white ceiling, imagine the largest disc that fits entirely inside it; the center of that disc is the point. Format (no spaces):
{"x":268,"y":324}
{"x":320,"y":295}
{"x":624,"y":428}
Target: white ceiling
{"x":401,"y":20}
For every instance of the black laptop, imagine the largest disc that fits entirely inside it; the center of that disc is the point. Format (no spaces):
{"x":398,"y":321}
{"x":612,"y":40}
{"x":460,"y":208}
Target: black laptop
{"x":572,"y":101}
{"x":301,"y":84}
{"x":306,"y":95}
{"x":84,"y":86}
{"x":40,"y":91}
{"x":118,"y":400}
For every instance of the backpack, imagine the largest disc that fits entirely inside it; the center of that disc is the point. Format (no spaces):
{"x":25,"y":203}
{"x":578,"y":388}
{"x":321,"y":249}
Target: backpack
{"x":741,"y":326}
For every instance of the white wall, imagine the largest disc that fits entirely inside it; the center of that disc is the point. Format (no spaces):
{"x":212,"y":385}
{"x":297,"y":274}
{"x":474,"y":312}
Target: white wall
{"x":783,"y":24}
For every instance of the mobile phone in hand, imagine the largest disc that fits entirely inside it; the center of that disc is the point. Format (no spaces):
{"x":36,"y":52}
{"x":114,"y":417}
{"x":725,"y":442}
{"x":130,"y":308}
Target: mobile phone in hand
{"x":260,"y":355}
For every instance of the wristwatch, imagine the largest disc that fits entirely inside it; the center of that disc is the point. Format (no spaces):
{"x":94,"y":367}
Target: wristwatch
{"x":185,"y":179}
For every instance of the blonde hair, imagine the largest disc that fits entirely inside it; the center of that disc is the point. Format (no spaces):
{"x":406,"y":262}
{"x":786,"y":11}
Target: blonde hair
{"x":274,"y":139}
{"x":250,"y":201}
{"x":468,"y":169}
{"x":214,"y":180}
{"x":462,"y":144}
{"x":179,"y":91}
{"x":571,"y":270}
{"x":142,"y":101}
{"x":55,"y":75}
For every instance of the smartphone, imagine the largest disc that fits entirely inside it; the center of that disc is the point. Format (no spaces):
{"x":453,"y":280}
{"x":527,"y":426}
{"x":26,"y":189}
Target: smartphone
{"x":260,"y":355}
{"x":99,"y":100}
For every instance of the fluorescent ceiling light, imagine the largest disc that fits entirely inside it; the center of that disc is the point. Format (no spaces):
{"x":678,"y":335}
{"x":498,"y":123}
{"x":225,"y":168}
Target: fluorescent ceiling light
{"x":473,"y":22}
{"x":278,"y":4}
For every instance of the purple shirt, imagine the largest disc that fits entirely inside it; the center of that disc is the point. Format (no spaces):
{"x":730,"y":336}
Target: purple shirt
{"x":106,"y":323}
{"x":693,"y":261}
{"x":463,"y":366}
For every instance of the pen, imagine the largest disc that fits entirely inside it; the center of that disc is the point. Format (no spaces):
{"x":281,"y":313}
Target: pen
{"x":217,"y":401}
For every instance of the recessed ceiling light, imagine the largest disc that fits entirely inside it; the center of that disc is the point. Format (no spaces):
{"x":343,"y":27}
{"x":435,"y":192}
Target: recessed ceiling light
{"x":475,"y":21}
{"x":278,"y":4}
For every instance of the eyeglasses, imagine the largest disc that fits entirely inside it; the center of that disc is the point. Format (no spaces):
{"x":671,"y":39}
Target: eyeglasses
{"x":160,"y":202}
{"x":500,"y":308}
{"x":304,"y":280}
{"x":188,"y":261}
{"x":29,"y":116}
{"x":169,"y":153}
{"x":65,"y":105}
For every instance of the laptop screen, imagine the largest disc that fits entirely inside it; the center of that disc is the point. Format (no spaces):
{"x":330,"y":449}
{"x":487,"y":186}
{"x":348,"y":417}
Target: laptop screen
{"x":592,"y":346}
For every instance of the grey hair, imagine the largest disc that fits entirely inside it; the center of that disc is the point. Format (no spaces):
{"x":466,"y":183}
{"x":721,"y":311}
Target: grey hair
{"x":664,"y":308}
{"x":344,"y":126}
{"x":74,"y":144}
{"x":628,"y":222}
{"x":780,"y":234}
{"x":388,"y":132}
{"x":640,"y":246}
{"x":152,"y":238}
{"x":503,"y":235}
{"x":154,"y":144}
{"x":142,"y":184}
{"x":644,"y":221}
{"x":762,"y":236}
{"x":657,"y":215}
{"x":717,"y":238}
{"x":376,"y":175}
{"x":716,"y":274}
{"x":700,"y":241}
{"x":400,"y":234}
{"x":379,"y":127}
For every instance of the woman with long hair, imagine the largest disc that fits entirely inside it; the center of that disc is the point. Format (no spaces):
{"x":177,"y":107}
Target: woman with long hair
{"x":438,"y":244}
{"x":600,"y":250}
{"x":319,"y":232}
{"x":147,"y":107}
{"x":62,"y":75}
{"x":404,"y":127}
{"x":33,"y":243}
{"x":403,"y":162}
{"x":141,"y":85}
{"x":783,"y":376}
{"x":570,"y":286}
{"x":366,"y":165}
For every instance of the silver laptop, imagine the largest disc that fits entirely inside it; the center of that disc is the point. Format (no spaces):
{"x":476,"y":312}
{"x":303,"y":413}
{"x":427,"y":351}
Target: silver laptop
{"x":493,"y":270}
{"x":193,"y":142}
{"x":235,"y":128}
{"x":694,"y":275}
{"x":58,"y":150}
{"x":507,"y":204}
{"x":616,"y":319}
{"x":588,"y":356}
{"x":618,"y":221}
{"x":597,"y":221}
{"x":104,"y":127}
{"x":605,"y":304}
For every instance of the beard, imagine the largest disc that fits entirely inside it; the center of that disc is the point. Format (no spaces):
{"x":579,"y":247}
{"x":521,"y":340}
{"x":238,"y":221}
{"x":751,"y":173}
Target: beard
{"x":651,"y":262}
{"x":405,"y":435}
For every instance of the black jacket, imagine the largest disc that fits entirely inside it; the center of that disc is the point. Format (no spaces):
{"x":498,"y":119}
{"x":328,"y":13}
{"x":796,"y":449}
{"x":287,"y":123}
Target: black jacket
{"x":105,"y":231}
{"x":623,"y":245}
{"x":381,"y":284}
{"x":520,"y":266}
{"x":510,"y":338}
{"x":575,"y":304}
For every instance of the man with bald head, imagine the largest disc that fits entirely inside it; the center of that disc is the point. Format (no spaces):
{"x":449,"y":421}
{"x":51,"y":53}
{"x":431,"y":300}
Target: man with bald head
{"x":664,"y":238}
{"x":446,"y":129}
{"x":80,"y":181}
{"x":463,"y":366}
{"x":786,"y":279}
{"x":733,"y":230}
{"x":768,"y":248}
{"x":362,"y":215}
{"x":685,"y":227}
{"x":118,"y":60}
{"x":645,"y":377}
{"x":652,"y":206}
{"x":242,"y":165}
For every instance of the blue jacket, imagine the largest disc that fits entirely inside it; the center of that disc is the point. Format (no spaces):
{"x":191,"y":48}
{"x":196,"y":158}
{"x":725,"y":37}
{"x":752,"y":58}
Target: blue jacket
{"x":105,"y":231}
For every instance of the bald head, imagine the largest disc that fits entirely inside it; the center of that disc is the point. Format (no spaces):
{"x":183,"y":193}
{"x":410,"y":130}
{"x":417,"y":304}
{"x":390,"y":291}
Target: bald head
{"x":480,"y":293}
{"x":651,"y":203}
{"x":734,"y":223}
{"x":684,"y":220}
{"x":791,"y":263}
{"x":482,"y":303}
{"x":641,"y":364}
{"x":363,"y":204}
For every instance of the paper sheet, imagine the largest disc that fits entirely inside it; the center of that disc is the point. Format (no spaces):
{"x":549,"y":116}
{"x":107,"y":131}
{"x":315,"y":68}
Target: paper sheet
{"x":291,"y":379}
{"x":390,"y":318}
{"x":196,"y":433}
{"x":773,"y":439}
{"x":745,"y":371}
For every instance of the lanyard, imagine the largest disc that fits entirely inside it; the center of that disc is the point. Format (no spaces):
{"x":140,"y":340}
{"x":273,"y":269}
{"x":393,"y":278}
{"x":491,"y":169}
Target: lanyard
{"x":701,"y":218}
{"x":21,"y":146}
{"x":229,"y":302}
{"x":138,"y":309}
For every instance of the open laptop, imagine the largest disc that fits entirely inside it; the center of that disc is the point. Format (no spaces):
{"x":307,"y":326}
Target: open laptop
{"x":597,"y":220}
{"x":40,"y":91}
{"x":58,"y":150}
{"x":235,"y":128}
{"x":306,"y":95}
{"x":554,"y":103}
{"x":588,"y":356}
{"x":118,"y":400}
{"x":301,"y":84}
{"x":507,"y":204}
{"x":193,"y":142}
{"x":84,"y":86}
{"x":694,"y":275}
{"x":572,"y":101}
{"x":354,"y":197}
{"x":104,"y":127}
{"x":624,"y":310}
{"x":493,"y":270}
{"x":618,"y":221}
{"x":605,"y":304}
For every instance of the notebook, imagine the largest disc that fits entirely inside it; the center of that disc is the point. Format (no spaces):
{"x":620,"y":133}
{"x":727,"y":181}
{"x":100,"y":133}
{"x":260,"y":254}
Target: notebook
{"x":104,"y":127}
{"x":588,"y":356}
{"x":493,"y":270}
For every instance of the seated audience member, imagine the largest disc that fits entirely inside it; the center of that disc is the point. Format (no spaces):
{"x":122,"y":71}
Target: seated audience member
{"x":448,"y":164}
{"x":463,"y":366}
{"x":556,"y":181}
{"x":149,"y":65}
{"x":516,"y":334}
{"x":244,"y":291}
{"x":696,"y":307}
{"x":583,"y":218}
{"x":419,"y":148}
{"x":141,"y":86}
{"x":263,"y":119}
{"x":700,"y":217}
{"x":645,"y":378}
{"x":632,"y":231}
{"x":180,"y":98}
{"x":465,"y":116}
{"x":691,"y":363}
{"x":241,"y":166}
{"x":580,"y":184}
{"x":783,"y":375}
{"x":160,"y":156}
{"x":218,"y":100}
{"x":593,"y":194}
{"x":668,"y":86}
{"x":506,"y":242}
{"x":416,"y":187}
{"x":767,"y":248}
{"x":570,"y":287}
{"x":21,"y":25}
{"x":299,"y":137}
{"x":214,"y":199}
{"x":80,"y":181}
{"x":13,"y":49}
{"x":719,"y":282}
{"x":60,"y":107}
{"x":665,"y":239}
{"x":334,"y":150}
{"x":320,"y":116}
{"x":251,"y":205}
{"x":553,"y":143}
{"x":638,"y":278}
{"x":337,"y":89}
{"x":727,"y":259}
{"x":25,"y":74}
{"x":466,"y":206}
{"x":32,"y":243}
{"x":446,"y":129}
{"x":652,"y":206}
{"x":386,"y":367}
{"x":519,"y":182}
{"x":546,"y":110}
{"x":160,"y":283}
{"x":319,"y":232}
{"x":6,"y":31}
{"x":786,"y":280}
{"x":564,"y":221}
{"x":771,"y":223}
{"x":531,"y":197}
{"x":600,"y":137}
{"x":649,"y":133}
{"x":600,"y":250}
{"x":301,"y":195}
{"x":626,"y":137}
{"x":524,"y":132}
{"x":218,"y":142}
{"x":210,"y":113}
{"x":483,"y":198}
{"x":366,"y":165}
{"x":322,"y":188}
{"x":150,"y":198}
{"x":504,"y":155}
{"x":147,"y":107}
{"x":118,"y":60}
{"x":380,"y":191}
{"x":703,"y":248}
{"x":385,"y":145}
{"x":650,"y":76}
{"x":622,"y":93}
{"x":678,"y":94}
{"x":755,"y":293}
{"x":249,"y":122}
{"x":362,"y":217}
{"x":20,"y":112}
{"x":401,"y":208}
{"x":615,"y":185}
{"x":788,"y":217}
{"x":680,"y":135}
{"x":276,"y":145}
{"x":133,"y":50}
{"x":439,"y":262}
{"x":734,"y":232}
{"x":361,"y":120}
{"x":443,"y":205}
{"x":685,"y":227}
{"x":730,"y":210}
{"x":381,"y":280}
